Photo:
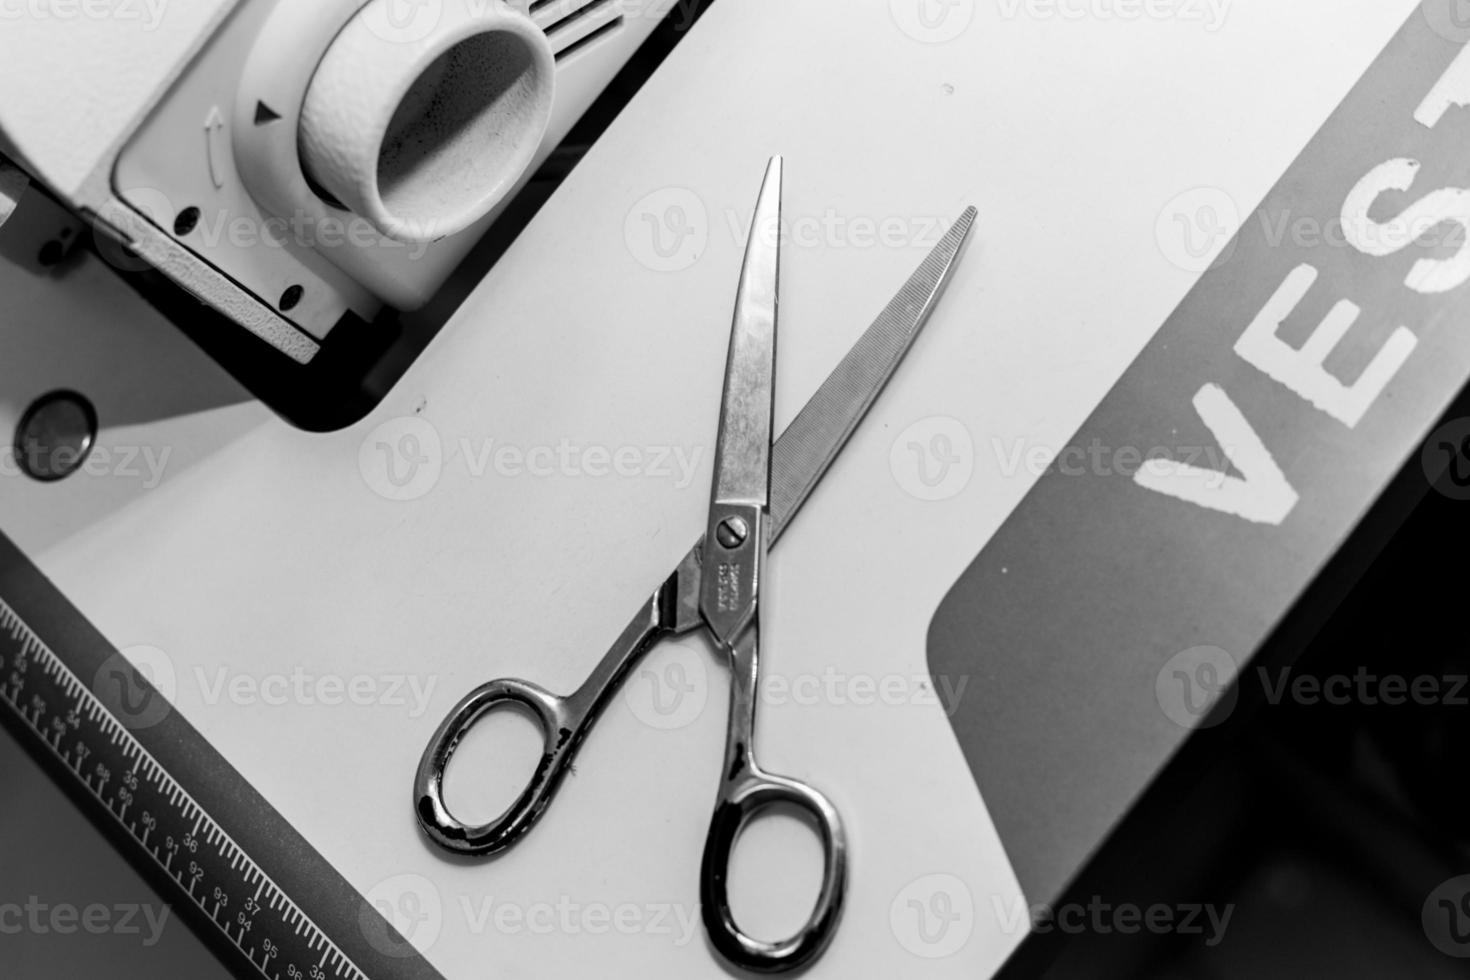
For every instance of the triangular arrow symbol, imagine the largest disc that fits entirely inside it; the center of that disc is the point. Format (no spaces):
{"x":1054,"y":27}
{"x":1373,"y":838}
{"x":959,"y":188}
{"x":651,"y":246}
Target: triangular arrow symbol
{"x":265,"y":114}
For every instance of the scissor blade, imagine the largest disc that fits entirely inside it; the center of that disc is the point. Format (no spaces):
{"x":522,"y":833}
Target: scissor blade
{"x":743,"y":453}
{"x":814,"y":439}
{"x":805,"y":451}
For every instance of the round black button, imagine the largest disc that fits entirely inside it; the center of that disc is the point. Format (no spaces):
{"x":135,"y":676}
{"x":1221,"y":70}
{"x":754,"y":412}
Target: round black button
{"x":55,"y":435}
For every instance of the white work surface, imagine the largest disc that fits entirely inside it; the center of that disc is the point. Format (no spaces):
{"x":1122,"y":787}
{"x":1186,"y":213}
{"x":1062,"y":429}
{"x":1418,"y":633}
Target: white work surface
{"x":265,"y":551}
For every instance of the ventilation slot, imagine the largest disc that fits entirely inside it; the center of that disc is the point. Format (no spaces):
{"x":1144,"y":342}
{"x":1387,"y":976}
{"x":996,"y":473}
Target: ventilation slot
{"x":572,"y":25}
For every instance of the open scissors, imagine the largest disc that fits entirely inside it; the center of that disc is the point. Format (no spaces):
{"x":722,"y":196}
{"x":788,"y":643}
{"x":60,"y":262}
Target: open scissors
{"x":758,"y":488}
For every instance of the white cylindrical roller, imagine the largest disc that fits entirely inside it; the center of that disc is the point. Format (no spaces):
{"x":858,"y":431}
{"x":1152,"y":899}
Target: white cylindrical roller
{"x":422,"y":125}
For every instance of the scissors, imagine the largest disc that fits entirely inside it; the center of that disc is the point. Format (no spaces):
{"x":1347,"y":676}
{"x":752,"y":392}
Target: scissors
{"x":758,"y":487}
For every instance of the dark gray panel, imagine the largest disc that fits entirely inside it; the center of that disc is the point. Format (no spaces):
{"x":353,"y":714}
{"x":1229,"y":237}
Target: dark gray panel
{"x":1071,"y":614}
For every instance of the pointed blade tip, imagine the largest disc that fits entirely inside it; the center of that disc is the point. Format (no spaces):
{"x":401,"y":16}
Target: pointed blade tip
{"x":768,"y":207}
{"x":967,"y":218}
{"x":775,"y":176}
{"x":959,"y":234}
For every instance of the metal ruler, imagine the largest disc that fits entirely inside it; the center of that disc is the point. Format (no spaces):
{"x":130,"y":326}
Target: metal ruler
{"x":265,"y":901}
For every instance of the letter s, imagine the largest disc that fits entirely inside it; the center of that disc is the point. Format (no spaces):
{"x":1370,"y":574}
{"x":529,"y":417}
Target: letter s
{"x":1449,"y":205}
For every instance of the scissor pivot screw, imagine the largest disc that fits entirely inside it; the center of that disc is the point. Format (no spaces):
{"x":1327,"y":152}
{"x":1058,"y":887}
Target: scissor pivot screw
{"x":732,"y":532}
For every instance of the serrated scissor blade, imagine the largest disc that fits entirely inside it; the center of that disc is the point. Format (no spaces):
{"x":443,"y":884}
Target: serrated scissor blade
{"x":814,"y":439}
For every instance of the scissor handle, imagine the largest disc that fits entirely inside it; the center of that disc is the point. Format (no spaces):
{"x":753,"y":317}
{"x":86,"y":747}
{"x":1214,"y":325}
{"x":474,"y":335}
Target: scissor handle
{"x":564,"y":723}
{"x":745,"y":791}
{"x":555,"y":717}
{"x":740,"y":800}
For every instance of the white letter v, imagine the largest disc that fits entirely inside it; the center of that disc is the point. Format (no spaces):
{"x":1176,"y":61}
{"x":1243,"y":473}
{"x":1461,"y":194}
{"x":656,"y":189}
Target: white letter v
{"x":1264,"y":496}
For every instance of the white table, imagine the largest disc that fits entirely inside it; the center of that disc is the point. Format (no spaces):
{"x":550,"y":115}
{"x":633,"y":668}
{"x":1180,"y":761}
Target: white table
{"x":263,"y":552}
